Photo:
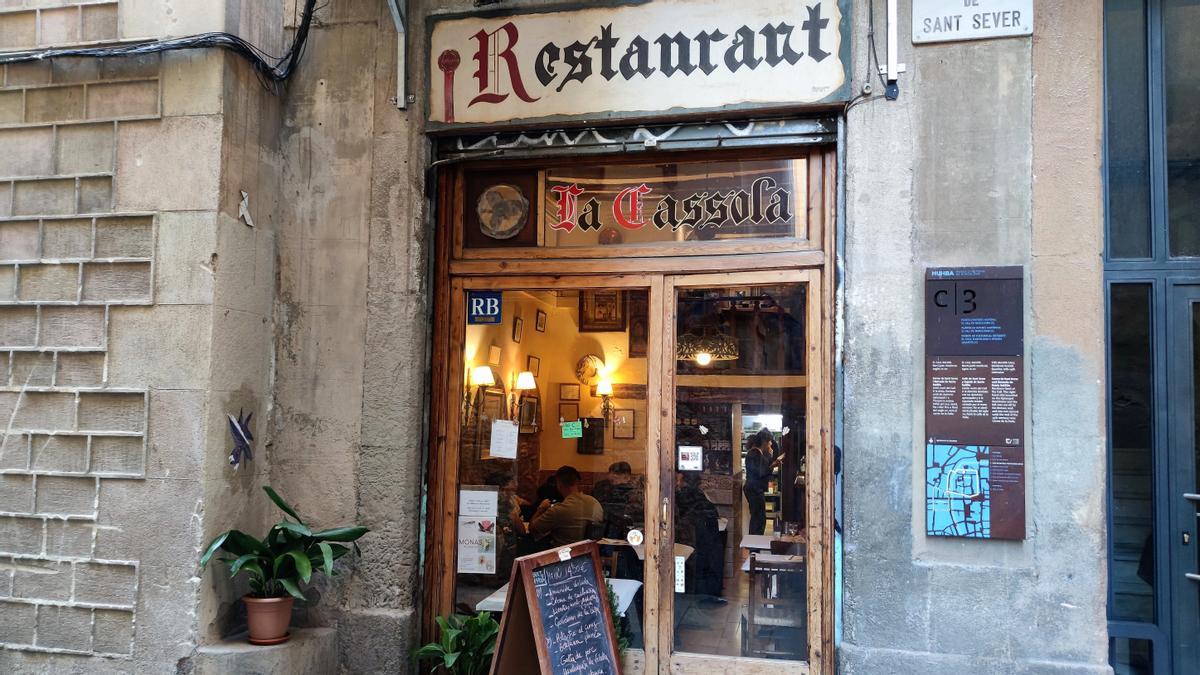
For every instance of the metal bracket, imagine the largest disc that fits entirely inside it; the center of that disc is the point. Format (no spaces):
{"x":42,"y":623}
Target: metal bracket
{"x":399,"y":17}
{"x":894,"y":67}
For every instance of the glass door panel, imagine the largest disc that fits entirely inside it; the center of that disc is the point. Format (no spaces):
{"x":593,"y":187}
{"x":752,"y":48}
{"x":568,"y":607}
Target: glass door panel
{"x":743,"y":440}
{"x":1184,"y":481}
{"x":552,"y":438}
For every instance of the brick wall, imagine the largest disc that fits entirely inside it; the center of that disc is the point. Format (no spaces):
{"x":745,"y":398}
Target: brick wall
{"x":69,"y":266}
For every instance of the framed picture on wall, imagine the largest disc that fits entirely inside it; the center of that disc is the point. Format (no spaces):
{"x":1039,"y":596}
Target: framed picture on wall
{"x":530,"y":415}
{"x":601,"y":311}
{"x":622,"y":421}
{"x":534,"y":365}
{"x":494,"y":355}
{"x":518,"y":329}
{"x":592,"y":441}
{"x":568,"y":392}
{"x":568,"y":412}
{"x":540,"y":324}
{"x":639,"y":323}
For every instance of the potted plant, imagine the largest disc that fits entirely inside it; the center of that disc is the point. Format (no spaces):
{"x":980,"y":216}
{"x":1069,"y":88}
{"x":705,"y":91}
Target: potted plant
{"x":278,"y":564}
{"x":466,"y":646}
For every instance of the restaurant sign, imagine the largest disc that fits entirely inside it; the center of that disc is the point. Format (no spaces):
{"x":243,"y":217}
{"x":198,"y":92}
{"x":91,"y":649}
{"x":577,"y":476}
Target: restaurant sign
{"x":630,"y":60}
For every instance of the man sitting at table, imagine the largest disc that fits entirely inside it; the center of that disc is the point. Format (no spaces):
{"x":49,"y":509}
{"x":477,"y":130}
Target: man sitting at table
{"x":567,"y":521}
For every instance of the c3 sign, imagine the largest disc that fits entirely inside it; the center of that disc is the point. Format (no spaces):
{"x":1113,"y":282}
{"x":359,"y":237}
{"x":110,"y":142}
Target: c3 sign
{"x":636,"y":60}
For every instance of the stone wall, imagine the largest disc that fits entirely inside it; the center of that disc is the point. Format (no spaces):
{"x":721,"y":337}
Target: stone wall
{"x":135,"y":313}
{"x":978,"y":182}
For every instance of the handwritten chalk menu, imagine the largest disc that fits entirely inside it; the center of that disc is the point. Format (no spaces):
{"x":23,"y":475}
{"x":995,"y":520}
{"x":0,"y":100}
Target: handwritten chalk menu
{"x":974,"y":402}
{"x":556,"y":616}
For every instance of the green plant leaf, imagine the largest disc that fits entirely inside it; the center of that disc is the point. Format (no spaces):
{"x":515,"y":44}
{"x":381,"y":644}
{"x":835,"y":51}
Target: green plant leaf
{"x":236,"y":566}
{"x":255,"y":570}
{"x":341,"y":533}
{"x":303,"y":566}
{"x":291,"y":588}
{"x":449,"y":660}
{"x":294,"y":528}
{"x":327,"y":556}
{"x":430,"y":651}
{"x":212,"y":548}
{"x":284,"y":506}
{"x":239,"y":543}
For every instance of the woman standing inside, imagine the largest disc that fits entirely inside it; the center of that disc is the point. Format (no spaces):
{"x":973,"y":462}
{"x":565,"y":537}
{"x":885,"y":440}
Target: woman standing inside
{"x":761,"y":460}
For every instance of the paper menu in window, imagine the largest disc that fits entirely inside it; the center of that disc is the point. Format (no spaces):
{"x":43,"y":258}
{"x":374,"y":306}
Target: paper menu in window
{"x":504,"y":439}
{"x":478,"y":500}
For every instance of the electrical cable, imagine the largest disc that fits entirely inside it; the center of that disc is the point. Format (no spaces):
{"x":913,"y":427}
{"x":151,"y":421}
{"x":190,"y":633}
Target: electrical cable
{"x":273,"y":73}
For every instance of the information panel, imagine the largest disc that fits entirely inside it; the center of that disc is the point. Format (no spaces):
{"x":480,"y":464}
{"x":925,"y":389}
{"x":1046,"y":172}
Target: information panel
{"x":974,"y":403}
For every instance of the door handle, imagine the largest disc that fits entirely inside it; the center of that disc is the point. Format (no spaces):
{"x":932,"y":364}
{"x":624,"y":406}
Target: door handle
{"x":1192,"y":576}
{"x":662,"y":524}
{"x":1191,"y":496}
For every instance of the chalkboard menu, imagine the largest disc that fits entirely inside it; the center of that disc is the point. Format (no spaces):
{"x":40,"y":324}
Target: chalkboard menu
{"x":974,"y":403}
{"x":556,"y":616}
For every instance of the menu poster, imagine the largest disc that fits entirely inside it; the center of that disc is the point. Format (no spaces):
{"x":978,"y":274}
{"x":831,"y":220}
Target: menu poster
{"x":556,"y":616}
{"x":975,"y":402}
{"x":477,"y":510}
{"x":691,"y":458}
{"x":504,"y":439}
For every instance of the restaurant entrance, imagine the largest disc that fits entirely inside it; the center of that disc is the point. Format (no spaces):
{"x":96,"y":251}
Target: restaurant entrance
{"x":632,"y":389}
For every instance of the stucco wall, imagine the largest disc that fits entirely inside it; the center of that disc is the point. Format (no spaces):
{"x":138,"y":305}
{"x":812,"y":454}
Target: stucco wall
{"x":978,"y":163}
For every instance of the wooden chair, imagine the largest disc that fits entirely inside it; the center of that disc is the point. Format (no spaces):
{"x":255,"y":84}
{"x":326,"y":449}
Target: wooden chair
{"x":775,"y":624}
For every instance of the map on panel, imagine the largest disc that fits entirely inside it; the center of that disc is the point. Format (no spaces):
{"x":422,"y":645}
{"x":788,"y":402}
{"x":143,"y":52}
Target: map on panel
{"x":958,"y":499}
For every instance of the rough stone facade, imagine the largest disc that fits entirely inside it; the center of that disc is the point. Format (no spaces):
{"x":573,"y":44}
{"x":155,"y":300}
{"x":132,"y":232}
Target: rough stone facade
{"x":137,"y":310}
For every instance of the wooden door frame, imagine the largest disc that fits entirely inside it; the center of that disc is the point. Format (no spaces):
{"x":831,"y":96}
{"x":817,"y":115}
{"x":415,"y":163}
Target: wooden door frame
{"x":819,"y":464}
{"x":451,"y":278}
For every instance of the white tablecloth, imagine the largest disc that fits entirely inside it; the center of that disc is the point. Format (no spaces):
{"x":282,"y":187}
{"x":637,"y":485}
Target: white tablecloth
{"x":624,"y":588}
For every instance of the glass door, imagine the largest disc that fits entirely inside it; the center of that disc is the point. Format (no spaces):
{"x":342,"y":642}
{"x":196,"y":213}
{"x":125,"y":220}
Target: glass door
{"x":553,"y":439}
{"x":1184,"y":482}
{"x":743,"y":472}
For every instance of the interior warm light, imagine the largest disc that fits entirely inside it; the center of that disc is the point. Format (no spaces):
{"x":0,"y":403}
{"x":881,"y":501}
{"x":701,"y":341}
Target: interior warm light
{"x":604,"y":388}
{"x":525,"y":381}
{"x":703,"y":358}
{"x":481,"y":376}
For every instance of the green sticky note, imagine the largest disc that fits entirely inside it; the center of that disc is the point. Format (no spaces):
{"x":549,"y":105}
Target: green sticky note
{"x":572,"y":429}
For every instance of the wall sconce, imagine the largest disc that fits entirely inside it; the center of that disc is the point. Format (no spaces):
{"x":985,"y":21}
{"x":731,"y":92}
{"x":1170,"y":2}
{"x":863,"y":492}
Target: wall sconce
{"x":604,"y":390}
{"x":525,"y":382}
{"x":480,"y":378}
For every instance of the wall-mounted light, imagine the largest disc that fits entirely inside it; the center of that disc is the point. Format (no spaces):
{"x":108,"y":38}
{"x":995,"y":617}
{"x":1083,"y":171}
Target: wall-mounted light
{"x":480,"y":377}
{"x":604,"y":390}
{"x":525,"y":382}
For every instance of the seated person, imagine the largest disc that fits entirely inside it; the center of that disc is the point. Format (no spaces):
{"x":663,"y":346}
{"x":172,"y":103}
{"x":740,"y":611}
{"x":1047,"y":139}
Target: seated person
{"x":696,"y":525}
{"x":623,"y":499}
{"x":567,"y":521}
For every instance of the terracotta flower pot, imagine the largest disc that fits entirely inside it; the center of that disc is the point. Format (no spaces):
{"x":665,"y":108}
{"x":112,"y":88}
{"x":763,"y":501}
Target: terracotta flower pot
{"x":268,"y":619}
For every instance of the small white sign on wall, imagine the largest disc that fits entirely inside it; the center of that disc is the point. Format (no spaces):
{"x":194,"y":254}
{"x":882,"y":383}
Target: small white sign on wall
{"x":950,"y":20}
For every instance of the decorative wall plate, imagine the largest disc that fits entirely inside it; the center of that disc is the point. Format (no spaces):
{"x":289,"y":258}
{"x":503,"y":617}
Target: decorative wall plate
{"x":588,"y":368}
{"x":502,"y":210}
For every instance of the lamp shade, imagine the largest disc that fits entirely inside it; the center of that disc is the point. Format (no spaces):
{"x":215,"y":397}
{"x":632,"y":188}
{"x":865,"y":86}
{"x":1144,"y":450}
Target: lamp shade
{"x":481,"y":376}
{"x":604,"y":388}
{"x":525,"y":381}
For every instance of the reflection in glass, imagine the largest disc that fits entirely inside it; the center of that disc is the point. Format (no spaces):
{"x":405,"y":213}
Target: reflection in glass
{"x":1128,"y":130}
{"x":740,"y":481}
{"x":1181,"y":43}
{"x":1131,"y":401}
{"x":526,"y":481}
{"x":1131,"y":657}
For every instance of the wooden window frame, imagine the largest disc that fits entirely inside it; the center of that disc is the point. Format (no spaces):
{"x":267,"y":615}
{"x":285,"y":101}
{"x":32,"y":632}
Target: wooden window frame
{"x":708,"y":263}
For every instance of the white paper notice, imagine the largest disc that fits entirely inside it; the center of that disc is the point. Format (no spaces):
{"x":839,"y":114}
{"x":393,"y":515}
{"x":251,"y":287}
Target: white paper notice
{"x":680,"y":566}
{"x":504,"y":439}
{"x":691,"y":458}
{"x":478,"y":500}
